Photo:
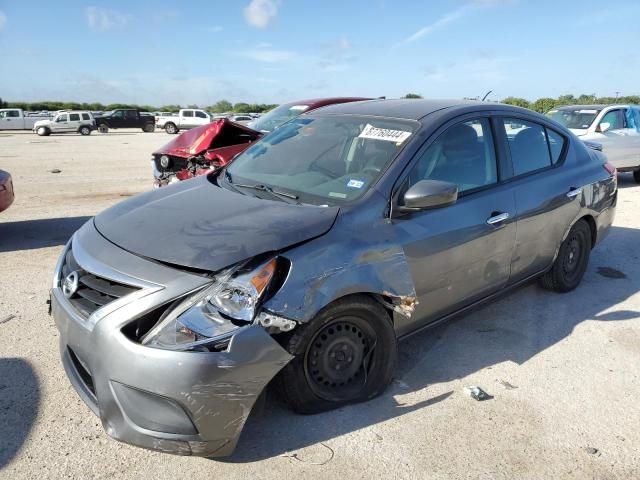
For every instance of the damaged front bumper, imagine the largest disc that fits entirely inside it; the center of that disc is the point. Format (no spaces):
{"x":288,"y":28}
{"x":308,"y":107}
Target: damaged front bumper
{"x":186,"y":403}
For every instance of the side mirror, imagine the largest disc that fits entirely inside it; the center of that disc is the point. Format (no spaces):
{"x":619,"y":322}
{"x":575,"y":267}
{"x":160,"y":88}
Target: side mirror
{"x":603,"y":127}
{"x":427,"y":194}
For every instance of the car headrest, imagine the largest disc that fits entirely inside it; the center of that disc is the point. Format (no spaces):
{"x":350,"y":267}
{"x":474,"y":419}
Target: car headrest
{"x":460,"y":137}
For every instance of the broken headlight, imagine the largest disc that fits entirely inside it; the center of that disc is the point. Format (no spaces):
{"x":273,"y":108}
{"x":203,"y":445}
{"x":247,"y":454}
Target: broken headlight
{"x":213,"y":312}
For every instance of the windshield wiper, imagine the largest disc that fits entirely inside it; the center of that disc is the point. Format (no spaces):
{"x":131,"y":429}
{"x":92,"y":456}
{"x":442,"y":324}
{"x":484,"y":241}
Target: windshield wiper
{"x":264,"y":188}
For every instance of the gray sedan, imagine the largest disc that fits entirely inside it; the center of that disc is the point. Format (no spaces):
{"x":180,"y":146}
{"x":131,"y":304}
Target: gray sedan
{"x":307,"y":258}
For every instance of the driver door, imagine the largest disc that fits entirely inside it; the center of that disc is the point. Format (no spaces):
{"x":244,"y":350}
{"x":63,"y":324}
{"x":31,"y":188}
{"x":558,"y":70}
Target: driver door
{"x":459,"y":253}
{"x":61,"y":123}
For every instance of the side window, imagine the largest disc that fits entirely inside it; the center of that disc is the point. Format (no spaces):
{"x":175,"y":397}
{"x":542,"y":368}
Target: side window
{"x":118,"y":114}
{"x":556,"y":144}
{"x":130,"y":114}
{"x":62,"y":118}
{"x":464,"y":154}
{"x":13,"y":113}
{"x":528,"y":145}
{"x":85,"y":116}
{"x":188,"y":113}
{"x":615,"y":119}
{"x":200,"y":115}
{"x":74,"y":117}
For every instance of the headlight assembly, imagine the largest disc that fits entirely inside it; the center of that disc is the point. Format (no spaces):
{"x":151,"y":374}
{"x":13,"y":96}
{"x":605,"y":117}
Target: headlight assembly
{"x":213,"y":312}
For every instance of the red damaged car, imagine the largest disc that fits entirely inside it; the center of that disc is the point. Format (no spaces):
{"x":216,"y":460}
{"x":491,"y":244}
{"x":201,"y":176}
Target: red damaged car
{"x":6,"y":190}
{"x":206,"y":148}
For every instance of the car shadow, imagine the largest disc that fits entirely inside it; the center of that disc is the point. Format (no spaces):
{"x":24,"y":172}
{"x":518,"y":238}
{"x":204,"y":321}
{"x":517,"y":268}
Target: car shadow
{"x":19,"y":403}
{"x":626,"y":180}
{"x":33,"y":234}
{"x":514,"y":328}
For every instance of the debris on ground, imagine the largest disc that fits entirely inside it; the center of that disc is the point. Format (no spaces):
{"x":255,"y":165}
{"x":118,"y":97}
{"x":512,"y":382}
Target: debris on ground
{"x":56,"y":170}
{"x":477,"y":393}
{"x":609,"y":272}
{"x":6,"y":318}
{"x":591,"y":450}
{"x":507,"y":385}
{"x":296,"y":457}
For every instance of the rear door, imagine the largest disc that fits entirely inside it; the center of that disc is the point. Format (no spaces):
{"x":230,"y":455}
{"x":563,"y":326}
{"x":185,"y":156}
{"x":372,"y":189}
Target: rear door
{"x":186,"y":119}
{"x":130,"y":119}
{"x":459,"y":253}
{"x":74,"y":122}
{"x":547,"y":200}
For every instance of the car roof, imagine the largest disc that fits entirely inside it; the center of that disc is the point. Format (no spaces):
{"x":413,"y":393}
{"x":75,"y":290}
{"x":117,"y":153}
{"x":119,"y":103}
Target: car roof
{"x":314,"y":103}
{"x":407,"y":108}
{"x":591,"y":107}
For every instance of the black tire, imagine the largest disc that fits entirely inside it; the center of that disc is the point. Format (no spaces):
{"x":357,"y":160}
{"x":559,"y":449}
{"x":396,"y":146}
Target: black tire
{"x":149,"y":128}
{"x":102,"y":128}
{"x":171,"y":128}
{"x":573,"y":257}
{"x":43,"y":132}
{"x":636,"y":175}
{"x":84,"y":130}
{"x":346,"y":354}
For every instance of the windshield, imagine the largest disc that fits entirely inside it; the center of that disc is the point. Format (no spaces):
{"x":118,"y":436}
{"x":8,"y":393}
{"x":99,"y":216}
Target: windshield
{"x":276,"y":117}
{"x":322,"y":159}
{"x":574,"y":118}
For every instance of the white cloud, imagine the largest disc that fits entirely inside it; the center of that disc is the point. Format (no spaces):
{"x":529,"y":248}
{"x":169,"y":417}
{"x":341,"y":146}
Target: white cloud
{"x":343,"y":44}
{"x":3,"y":19}
{"x":100,"y":19}
{"x":259,"y":13}
{"x":215,"y":29}
{"x":268,"y":55}
{"x":454,"y":15}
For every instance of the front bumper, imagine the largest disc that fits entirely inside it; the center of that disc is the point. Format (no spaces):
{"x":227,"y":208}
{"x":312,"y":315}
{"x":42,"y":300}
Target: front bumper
{"x":187,"y":403}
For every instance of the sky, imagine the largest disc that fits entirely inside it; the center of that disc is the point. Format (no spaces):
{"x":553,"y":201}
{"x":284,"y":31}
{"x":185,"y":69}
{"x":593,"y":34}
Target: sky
{"x":271,"y":51}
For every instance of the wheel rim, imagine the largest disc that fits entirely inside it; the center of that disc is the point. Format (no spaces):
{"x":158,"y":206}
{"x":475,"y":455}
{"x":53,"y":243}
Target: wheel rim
{"x":339,"y":359}
{"x":84,"y":131}
{"x":171,"y":129}
{"x":573,"y":256}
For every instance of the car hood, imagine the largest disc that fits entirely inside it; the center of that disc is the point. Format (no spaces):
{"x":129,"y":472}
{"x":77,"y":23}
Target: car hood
{"x":199,"y":225}
{"x":579,"y":132}
{"x":42,"y":123}
{"x":197,"y":140}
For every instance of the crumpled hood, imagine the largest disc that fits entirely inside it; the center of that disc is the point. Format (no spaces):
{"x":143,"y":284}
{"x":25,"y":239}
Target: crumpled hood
{"x":197,"y":140}
{"x":200,"y":225}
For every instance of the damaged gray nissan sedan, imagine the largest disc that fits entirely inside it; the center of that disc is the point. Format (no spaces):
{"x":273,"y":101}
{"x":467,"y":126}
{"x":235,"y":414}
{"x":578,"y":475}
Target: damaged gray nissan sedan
{"x":310,"y":255}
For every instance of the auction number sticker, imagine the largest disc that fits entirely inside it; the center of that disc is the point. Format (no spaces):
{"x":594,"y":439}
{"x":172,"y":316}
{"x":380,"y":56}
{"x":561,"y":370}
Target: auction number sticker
{"x":385,"y":134}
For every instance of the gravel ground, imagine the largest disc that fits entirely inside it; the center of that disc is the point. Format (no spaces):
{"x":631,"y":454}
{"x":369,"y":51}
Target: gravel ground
{"x":563,"y":369}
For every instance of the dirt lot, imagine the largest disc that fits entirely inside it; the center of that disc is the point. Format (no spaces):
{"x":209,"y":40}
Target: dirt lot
{"x":564,"y":370}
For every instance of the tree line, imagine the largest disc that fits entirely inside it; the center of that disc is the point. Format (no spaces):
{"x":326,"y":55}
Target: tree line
{"x":218,"y":107}
{"x":541,"y":105}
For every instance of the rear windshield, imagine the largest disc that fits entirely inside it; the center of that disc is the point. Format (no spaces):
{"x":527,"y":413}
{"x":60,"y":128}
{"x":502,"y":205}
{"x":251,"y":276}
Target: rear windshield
{"x":579,"y":118}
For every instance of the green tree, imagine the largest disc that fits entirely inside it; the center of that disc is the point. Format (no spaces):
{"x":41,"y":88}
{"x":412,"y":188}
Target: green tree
{"x":242,"y":107}
{"x":412,"y":95}
{"x":221,"y":106}
{"x":543,"y":105}
{"x":518,"y":102}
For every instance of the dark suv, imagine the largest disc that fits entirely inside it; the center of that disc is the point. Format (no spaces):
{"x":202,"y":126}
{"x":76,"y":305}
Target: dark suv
{"x":126,"y":118}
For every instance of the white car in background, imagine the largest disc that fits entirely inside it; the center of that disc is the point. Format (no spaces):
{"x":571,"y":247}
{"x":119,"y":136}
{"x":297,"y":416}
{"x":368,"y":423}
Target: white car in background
{"x":187,"y":118}
{"x":80,"y":121}
{"x":615,"y":127}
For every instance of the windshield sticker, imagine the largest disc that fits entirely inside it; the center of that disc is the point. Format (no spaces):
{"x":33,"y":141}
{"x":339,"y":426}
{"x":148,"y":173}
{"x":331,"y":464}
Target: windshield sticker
{"x":355,"y":183}
{"x":385,"y":134}
{"x":300,"y":108}
{"x":337,"y":195}
{"x":587,"y":111}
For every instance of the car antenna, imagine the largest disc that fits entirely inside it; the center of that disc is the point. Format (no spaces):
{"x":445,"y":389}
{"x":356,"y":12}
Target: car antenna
{"x":486,"y":95}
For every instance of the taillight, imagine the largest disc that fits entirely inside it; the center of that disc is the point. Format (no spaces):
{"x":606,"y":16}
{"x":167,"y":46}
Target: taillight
{"x":610,"y":169}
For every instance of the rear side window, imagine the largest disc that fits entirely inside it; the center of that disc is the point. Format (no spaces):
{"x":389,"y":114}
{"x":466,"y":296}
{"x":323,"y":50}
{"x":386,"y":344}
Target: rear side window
{"x":85,"y":116}
{"x":74,"y":117}
{"x":532,"y":146}
{"x":187,"y":113}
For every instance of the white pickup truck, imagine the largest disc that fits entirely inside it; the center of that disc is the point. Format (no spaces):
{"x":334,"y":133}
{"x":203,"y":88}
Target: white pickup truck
{"x":187,"y":118}
{"x":15,"y":119}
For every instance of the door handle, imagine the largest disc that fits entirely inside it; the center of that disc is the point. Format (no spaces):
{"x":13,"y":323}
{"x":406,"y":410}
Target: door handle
{"x":497,"y":218}
{"x":574,"y":192}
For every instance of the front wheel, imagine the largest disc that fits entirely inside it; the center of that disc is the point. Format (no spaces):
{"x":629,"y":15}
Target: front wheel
{"x":102,"y":128}
{"x":43,"y":131}
{"x":573,"y":257}
{"x":171,"y":128}
{"x":85,"y":131}
{"x":346,"y":354}
{"x":636,"y":175}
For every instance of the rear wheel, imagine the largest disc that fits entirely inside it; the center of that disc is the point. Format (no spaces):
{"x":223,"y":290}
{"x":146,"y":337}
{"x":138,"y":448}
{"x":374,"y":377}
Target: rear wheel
{"x":346,"y":354}
{"x":636,"y":175}
{"x":102,"y":128}
{"x":43,"y":131}
{"x":572,"y":260}
{"x":149,"y":128}
{"x":85,"y":131}
{"x":171,"y":128}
